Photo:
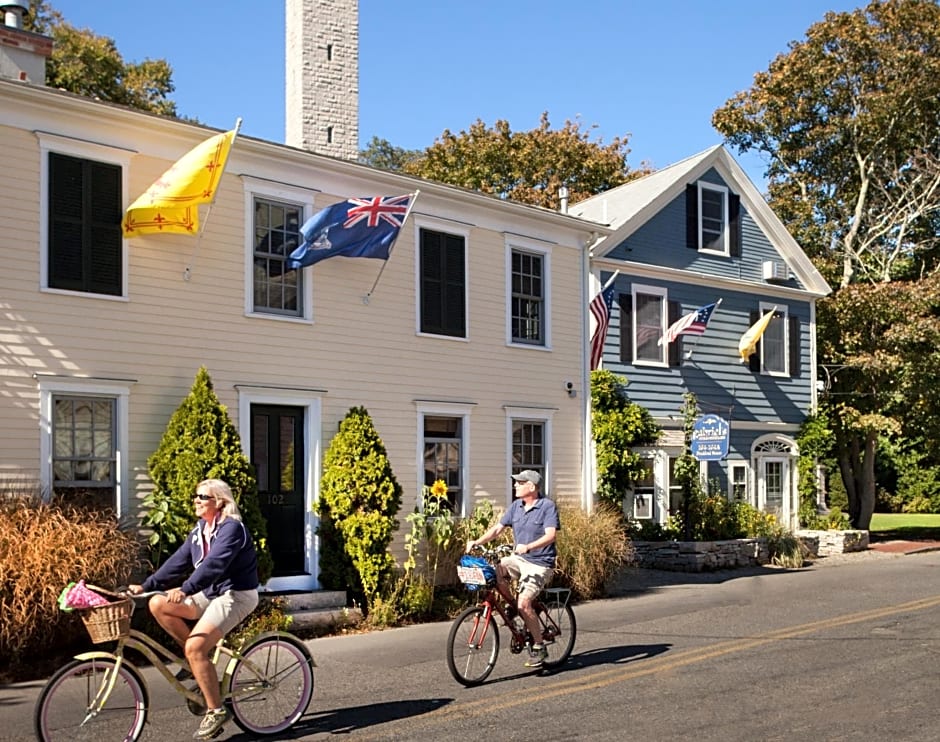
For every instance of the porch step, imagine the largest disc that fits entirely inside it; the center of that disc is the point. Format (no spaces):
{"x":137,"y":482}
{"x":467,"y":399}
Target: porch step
{"x":318,"y":609}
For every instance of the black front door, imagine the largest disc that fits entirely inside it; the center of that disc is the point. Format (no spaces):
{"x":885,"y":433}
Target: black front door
{"x":278,"y":455}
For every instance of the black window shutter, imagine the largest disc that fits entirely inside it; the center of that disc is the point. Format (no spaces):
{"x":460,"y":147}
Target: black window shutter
{"x":691,"y":216}
{"x":626,"y":327}
{"x":104,"y":220}
{"x":674,"y":349}
{"x":432,"y":285}
{"x":753,"y":361}
{"x":443,"y":284}
{"x":794,"y":345}
{"x":734,"y":219}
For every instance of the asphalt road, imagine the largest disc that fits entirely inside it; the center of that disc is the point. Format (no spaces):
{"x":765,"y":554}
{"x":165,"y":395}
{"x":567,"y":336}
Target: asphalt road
{"x":841,"y":651}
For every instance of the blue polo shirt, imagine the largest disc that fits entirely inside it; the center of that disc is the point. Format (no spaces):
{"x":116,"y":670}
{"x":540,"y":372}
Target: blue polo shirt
{"x":529,"y":525}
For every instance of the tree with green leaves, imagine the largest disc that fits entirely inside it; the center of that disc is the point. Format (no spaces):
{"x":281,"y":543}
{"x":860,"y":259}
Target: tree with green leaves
{"x":383,"y":155}
{"x":200,"y":442}
{"x":358,"y":504}
{"x":524,"y":166}
{"x":848,"y":121}
{"x":882,"y":374}
{"x":87,"y":64}
{"x":617,"y":426}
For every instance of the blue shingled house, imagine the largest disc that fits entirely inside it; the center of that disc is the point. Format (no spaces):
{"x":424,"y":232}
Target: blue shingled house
{"x":695,"y":233}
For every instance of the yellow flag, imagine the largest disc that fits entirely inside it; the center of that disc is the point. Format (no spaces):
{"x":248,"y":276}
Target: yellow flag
{"x":171,"y":203}
{"x":748,"y":342}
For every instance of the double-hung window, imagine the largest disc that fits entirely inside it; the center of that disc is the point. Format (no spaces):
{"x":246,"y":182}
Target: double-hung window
{"x":84,"y":441}
{"x":442,"y":272}
{"x":774,"y":343}
{"x":713,"y":217}
{"x":529,"y":432}
{"x":277,"y":289}
{"x":528,"y":296}
{"x":81,"y":211}
{"x":275,"y":213}
{"x":649,"y":324}
{"x":445,"y":430}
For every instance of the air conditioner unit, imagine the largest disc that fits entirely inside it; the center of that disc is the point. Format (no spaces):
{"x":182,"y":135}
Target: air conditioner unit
{"x":775,"y":271}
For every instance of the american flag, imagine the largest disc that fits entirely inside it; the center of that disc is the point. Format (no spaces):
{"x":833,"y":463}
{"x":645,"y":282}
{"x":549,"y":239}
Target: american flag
{"x":694,"y":323}
{"x":355,"y":228}
{"x":600,"y":307}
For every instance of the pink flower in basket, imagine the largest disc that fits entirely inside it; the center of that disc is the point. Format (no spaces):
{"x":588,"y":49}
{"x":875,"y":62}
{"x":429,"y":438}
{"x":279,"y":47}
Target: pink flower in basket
{"x":80,"y":596}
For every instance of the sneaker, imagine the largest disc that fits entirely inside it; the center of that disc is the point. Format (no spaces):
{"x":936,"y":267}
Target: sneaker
{"x":212,"y":723}
{"x":537,"y":656}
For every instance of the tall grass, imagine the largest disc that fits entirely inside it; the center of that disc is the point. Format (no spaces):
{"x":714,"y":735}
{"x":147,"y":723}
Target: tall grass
{"x":42,"y":549}
{"x":592,"y":548}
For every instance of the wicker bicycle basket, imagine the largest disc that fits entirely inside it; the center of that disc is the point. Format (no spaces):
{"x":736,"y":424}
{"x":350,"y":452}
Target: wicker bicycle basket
{"x":108,"y":623}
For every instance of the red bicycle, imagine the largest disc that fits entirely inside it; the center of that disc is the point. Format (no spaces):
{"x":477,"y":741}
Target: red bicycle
{"x":473,"y":641}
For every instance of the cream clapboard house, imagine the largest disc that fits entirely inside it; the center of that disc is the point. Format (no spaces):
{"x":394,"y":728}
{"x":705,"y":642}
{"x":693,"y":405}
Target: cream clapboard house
{"x":100,"y":337}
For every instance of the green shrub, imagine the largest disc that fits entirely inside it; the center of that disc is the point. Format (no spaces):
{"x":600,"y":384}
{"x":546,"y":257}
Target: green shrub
{"x":200,"y":442}
{"x":617,"y":426}
{"x":359,"y":499}
{"x":42,"y":549}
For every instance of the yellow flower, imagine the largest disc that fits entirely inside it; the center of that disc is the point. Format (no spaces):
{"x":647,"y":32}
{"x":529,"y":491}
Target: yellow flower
{"x":439,"y":488}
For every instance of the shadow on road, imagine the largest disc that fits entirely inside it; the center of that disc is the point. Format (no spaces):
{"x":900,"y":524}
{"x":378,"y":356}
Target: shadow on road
{"x":615,"y":655}
{"x":356,"y":718}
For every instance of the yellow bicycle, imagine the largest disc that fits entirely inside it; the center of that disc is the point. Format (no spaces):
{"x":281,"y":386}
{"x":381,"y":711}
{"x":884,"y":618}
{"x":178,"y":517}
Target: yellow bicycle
{"x":101,"y":696}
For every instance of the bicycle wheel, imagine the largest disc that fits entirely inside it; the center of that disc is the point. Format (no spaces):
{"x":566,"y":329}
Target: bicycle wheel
{"x":559,"y":630}
{"x":271,"y":684}
{"x":472,"y":647}
{"x":65,"y":709}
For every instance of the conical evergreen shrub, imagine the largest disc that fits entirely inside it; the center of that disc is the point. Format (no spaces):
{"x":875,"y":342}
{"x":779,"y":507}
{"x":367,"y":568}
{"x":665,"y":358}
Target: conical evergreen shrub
{"x":359,"y":499}
{"x":200,"y":442}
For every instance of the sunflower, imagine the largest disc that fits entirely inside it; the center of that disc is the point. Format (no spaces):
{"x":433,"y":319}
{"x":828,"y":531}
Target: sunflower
{"x":439,"y":488}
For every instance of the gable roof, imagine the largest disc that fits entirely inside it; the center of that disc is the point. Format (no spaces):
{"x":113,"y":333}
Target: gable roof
{"x":628,"y":207}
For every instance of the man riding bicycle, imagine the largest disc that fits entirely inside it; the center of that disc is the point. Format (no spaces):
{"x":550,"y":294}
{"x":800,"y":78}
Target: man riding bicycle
{"x":534,"y":522}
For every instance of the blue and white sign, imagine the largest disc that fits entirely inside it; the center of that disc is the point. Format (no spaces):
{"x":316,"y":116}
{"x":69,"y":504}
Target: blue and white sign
{"x":710,"y":436}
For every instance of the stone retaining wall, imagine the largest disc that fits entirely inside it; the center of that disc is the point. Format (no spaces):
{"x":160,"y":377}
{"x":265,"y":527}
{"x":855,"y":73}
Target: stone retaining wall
{"x":824,"y":543}
{"x":701,"y":556}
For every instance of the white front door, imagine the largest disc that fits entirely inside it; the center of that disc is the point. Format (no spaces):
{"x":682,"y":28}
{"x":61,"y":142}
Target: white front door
{"x":773,"y":487}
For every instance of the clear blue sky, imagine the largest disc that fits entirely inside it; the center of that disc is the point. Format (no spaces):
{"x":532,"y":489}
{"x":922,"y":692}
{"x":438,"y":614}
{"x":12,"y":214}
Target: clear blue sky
{"x":653,"y":69}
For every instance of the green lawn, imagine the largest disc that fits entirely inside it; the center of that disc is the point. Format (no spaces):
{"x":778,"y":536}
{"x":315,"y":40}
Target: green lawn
{"x":903,"y":525}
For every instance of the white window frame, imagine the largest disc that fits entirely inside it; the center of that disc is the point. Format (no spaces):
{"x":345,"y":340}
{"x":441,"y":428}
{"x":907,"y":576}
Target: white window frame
{"x":725,"y":226}
{"x":87,"y":151}
{"x":438,"y":225}
{"x":733,"y":468}
{"x":514,"y":245}
{"x":663,"y":294}
{"x":288,"y":194}
{"x":651,"y":496}
{"x":542,"y":416}
{"x":114,"y":389}
{"x":445,"y":409}
{"x":782,"y":310}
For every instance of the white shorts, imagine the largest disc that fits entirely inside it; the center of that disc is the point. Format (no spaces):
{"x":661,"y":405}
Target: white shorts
{"x":531,"y":577}
{"x":227,"y":610}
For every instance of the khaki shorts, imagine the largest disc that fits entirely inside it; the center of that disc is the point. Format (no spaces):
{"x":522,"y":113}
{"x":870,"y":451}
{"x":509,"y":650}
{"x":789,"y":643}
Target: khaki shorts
{"x":227,"y":610}
{"x":532,"y":578}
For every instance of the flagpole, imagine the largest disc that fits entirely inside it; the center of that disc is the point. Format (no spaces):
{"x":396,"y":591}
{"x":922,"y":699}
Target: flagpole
{"x":188,"y":270}
{"x":610,"y":280}
{"x":411,"y":203}
{"x":688,"y":353}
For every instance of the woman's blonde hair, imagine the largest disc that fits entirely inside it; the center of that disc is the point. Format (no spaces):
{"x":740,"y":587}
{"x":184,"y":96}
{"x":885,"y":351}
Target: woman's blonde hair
{"x":224,"y":500}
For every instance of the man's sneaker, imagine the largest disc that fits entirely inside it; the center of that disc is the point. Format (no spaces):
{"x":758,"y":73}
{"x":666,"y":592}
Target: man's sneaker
{"x":537,"y":656}
{"x":212,"y":723}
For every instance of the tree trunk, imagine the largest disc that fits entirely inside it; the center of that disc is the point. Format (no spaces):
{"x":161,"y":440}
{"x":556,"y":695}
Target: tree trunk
{"x":866,"y":492}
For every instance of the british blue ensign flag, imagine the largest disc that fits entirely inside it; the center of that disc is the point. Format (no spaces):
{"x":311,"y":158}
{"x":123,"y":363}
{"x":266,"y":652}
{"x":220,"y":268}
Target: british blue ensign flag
{"x":355,"y":228}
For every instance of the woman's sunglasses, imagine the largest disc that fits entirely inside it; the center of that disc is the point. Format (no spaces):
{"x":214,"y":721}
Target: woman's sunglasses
{"x":204,"y":498}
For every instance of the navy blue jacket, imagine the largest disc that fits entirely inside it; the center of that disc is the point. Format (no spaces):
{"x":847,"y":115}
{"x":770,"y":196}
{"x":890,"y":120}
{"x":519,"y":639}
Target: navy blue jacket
{"x":231,"y":563}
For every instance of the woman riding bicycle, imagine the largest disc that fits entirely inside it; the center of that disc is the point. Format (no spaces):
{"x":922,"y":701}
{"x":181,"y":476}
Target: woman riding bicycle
{"x":534,"y":522}
{"x":213,"y":580}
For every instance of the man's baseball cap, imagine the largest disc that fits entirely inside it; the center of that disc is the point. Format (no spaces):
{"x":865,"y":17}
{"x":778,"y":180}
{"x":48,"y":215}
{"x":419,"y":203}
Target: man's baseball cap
{"x":528,"y":475}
